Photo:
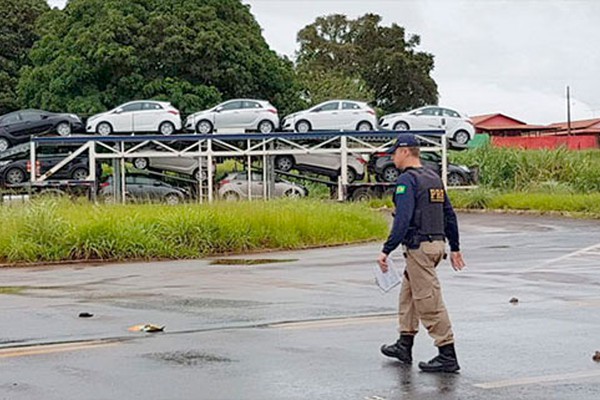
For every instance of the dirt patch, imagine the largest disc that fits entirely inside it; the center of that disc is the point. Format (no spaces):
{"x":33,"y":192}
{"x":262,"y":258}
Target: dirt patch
{"x":188,"y":358}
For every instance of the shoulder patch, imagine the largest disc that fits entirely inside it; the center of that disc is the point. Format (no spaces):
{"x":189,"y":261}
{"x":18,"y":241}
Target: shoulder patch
{"x":400,"y":189}
{"x":436,"y":195}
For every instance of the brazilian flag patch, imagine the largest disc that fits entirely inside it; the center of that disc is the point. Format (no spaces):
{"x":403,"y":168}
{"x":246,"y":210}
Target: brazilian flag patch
{"x":400,"y":189}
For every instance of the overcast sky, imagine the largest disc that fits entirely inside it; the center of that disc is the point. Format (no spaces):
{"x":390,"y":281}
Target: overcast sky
{"x":509,"y":56}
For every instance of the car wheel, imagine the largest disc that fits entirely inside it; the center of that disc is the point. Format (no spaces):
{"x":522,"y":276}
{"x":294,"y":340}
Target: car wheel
{"x":231,"y":196}
{"x":140,"y":163}
{"x":292,"y":194}
{"x":351,"y":175}
{"x":362,"y":194}
{"x":461,"y":137}
{"x":104,"y":129}
{"x":64,"y":129}
{"x":284,"y":163}
{"x":303,"y":126}
{"x":15,"y":176}
{"x":80,"y":174}
{"x":364,"y":126}
{"x":456,"y":179}
{"x":266,"y":127}
{"x":200,"y":177}
{"x":4,"y":145}
{"x":172,"y":199}
{"x":401,"y":126}
{"x":204,"y":127}
{"x":390,"y":174}
{"x":166,"y":129}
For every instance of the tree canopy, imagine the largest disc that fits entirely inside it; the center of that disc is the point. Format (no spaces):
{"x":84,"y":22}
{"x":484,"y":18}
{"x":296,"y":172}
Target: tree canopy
{"x":96,"y":54}
{"x":17,"y":36}
{"x":385,"y":59}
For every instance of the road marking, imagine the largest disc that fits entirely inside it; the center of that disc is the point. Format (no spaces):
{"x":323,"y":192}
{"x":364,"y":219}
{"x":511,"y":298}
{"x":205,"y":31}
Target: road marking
{"x":539,"y":379}
{"x":22,"y":351}
{"x":335,"y":322}
{"x":593,"y":250}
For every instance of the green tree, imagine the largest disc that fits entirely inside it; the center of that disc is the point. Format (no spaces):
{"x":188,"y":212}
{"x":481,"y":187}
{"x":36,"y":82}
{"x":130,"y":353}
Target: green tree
{"x":321,"y":86}
{"x":384,"y":58}
{"x":97,"y":54}
{"x":17,"y":36}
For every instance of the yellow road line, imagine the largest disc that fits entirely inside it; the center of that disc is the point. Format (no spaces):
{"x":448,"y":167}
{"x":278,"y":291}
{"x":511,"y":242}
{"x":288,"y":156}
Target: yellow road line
{"x":53,"y":348}
{"x":332,"y":323}
{"x":539,"y":379}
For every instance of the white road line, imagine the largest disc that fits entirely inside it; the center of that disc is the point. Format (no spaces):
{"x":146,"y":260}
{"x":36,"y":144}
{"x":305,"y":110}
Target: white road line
{"x":591,"y":249}
{"x":539,"y":379}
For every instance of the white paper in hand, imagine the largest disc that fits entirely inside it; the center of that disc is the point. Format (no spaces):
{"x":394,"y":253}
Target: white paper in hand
{"x":388,"y":280}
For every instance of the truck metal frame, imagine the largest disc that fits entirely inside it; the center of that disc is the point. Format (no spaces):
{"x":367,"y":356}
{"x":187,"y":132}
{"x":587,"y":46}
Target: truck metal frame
{"x":249,"y":147}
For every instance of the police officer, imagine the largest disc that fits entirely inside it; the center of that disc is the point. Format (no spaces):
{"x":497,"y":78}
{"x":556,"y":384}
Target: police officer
{"x":424,"y":219}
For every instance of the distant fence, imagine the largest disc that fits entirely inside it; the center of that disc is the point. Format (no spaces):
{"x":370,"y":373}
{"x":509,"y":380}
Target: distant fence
{"x":580,"y":142}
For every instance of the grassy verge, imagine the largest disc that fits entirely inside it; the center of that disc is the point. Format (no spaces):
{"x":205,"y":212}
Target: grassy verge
{"x":49,"y":231}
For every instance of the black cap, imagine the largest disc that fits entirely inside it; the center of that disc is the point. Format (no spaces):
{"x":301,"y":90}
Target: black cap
{"x":404,"y":140}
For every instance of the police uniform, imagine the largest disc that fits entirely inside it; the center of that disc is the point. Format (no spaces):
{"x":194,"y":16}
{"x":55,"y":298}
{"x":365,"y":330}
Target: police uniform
{"x":424,"y":218}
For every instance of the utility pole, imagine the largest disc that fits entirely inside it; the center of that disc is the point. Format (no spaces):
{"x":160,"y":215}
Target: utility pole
{"x":568,"y":111}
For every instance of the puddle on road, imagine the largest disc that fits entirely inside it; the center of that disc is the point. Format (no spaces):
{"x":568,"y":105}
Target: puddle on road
{"x":249,"y":262}
{"x":188,"y":358}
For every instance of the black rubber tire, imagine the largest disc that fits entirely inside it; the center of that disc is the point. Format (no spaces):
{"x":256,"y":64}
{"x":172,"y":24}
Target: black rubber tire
{"x":362,"y":194}
{"x":14,"y":176}
{"x":456,"y":179}
{"x":165,"y":125}
{"x":65,"y":127}
{"x":300,"y":123}
{"x":83,"y":171}
{"x":390,"y":174}
{"x":265,"y":123}
{"x":107,"y":132}
{"x":209,"y":124}
{"x":461,"y":137}
{"x":141,"y":163}
{"x":284,"y":163}
{"x":401,"y":126}
{"x":364,"y":123}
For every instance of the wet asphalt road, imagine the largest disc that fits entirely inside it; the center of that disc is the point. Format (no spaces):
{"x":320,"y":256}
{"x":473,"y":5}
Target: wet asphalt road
{"x":311,"y":329}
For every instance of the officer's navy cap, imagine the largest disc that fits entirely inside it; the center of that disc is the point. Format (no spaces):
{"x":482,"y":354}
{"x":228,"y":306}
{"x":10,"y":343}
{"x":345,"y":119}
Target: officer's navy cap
{"x":404,"y":140}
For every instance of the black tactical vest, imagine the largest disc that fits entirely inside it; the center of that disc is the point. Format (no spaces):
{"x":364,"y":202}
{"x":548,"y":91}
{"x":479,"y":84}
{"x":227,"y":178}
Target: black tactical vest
{"x":428,"y":219}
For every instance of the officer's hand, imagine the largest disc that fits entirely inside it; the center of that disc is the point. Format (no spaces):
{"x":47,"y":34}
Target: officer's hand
{"x":382,"y":261}
{"x":456,"y":259}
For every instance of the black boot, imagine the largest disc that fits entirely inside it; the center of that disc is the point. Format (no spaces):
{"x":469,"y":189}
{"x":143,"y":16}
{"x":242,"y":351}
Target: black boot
{"x":444,"y":362}
{"x":402,"y":349}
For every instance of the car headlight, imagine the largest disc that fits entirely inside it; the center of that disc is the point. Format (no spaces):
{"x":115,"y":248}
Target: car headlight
{"x":464,"y":168}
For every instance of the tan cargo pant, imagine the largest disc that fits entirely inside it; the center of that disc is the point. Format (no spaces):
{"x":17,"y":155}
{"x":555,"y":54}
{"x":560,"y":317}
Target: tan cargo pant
{"x":421,"y":295}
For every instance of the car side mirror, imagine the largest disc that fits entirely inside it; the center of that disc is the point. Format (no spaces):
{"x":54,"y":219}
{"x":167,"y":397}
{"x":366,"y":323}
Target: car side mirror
{"x":118,"y":111}
{"x":157,"y":184}
{"x":218,"y":109}
{"x":44,"y":117}
{"x":317,"y":110}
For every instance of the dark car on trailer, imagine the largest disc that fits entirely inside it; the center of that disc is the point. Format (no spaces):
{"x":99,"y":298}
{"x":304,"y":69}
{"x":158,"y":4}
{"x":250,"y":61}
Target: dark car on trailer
{"x":382,"y":166}
{"x":15,"y":164}
{"x":19,"y":126}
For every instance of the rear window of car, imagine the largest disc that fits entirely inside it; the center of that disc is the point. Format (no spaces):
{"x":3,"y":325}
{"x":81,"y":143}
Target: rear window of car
{"x":350,"y":106}
{"x":450,"y":113}
{"x":252,"y":104}
{"x":151,"y":106}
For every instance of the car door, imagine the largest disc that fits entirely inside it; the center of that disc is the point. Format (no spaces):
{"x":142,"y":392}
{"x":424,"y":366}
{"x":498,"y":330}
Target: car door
{"x":326,"y":116}
{"x":258,"y":186}
{"x":36,"y":121}
{"x":147,"y":118}
{"x":229,"y":115}
{"x":350,"y":115}
{"x":13,"y":124}
{"x":251,"y":114}
{"x":122,"y":119}
{"x":450,"y":120}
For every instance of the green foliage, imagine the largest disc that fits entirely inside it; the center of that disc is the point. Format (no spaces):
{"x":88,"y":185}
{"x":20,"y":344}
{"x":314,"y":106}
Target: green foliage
{"x":52,"y":230}
{"x":17,"y":36}
{"x":323,"y":85}
{"x":384,"y":58}
{"x":97,"y":54}
{"x":558,"y":170}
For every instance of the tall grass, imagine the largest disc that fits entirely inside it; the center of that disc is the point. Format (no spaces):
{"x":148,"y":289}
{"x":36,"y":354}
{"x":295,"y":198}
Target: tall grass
{"x":534,"y":170}
{"x":51,"y":230}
